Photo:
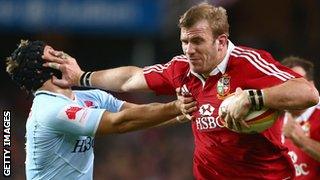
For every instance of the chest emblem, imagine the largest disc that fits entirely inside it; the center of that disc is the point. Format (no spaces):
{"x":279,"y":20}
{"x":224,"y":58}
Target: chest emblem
{"x":223,"y":86}
{"x":72,"y":111}
{"x":206,"y":110}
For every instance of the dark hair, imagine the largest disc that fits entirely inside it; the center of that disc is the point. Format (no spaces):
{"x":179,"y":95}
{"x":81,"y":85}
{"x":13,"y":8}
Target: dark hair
{"x":25,"y":66}
{"x":293,"y":61}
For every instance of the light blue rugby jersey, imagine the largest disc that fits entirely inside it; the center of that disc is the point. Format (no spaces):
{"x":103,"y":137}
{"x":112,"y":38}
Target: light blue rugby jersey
{"x":60,"y":131}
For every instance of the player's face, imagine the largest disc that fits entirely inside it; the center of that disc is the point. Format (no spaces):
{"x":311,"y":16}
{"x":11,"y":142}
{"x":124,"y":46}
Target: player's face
{"x":200,"y":47}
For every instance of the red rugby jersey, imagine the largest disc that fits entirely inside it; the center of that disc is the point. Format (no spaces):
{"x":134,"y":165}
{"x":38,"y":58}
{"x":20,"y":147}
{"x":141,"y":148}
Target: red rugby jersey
{"x":220,"y":153}
{"x":306,"y":167}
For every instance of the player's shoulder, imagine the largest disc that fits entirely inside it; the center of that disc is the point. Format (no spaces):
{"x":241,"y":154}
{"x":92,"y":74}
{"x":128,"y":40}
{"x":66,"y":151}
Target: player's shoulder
{"x":46,"y":105}
{"x":177,"y":64}
{"x":94,"y":95}
{"x":50,"y":99}
{"x":90,"y":92}
{"x":180,"y":58}
{"x":180,"y":61}
{"x":244,"y":52}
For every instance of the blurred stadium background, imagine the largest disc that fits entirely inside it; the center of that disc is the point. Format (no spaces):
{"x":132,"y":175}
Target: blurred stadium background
{"x":112,"y":33}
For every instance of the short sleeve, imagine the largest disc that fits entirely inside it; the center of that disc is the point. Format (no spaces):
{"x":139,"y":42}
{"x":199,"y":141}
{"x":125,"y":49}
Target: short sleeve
{"x":109,"y":102}
{"x":99,"y":99}
{"x":72,"y":118}
{"x":162,"y":78}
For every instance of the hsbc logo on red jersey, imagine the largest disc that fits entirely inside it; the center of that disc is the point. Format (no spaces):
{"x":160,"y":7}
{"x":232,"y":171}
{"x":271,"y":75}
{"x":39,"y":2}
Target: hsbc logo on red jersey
{"x":302,"y":169}
{"x":206,"y":121}
{"x":206,"y":110}
{"x":72,"y":112}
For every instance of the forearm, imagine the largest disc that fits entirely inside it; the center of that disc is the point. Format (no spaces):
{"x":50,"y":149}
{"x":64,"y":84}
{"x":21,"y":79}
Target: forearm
{"x":293,"y":94}
{"x":177,"y":120}
{"x":122,"y":79}
{"x":308,"y":145}
{"x":146,"y":116}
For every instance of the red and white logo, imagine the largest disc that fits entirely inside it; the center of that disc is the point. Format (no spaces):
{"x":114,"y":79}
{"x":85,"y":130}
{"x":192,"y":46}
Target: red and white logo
{"x":75,"y":114}
{"x":206,"y":122}
{"x":302,"y":169}
{"x":88,"y":103}
{"x":206,"y":110}
{"x":72,"y":112}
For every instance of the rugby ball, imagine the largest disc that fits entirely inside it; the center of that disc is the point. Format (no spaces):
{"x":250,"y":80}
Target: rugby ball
{"x":257,"y":120}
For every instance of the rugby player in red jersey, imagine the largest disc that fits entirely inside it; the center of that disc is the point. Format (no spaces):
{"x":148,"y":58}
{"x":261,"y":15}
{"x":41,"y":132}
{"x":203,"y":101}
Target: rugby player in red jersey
{"x":210,"y":69}
{"x":302,"y":128}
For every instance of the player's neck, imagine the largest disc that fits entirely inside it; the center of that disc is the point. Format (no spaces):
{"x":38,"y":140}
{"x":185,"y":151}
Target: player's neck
{"x":49,"y":86}
{"x":220,"y":57}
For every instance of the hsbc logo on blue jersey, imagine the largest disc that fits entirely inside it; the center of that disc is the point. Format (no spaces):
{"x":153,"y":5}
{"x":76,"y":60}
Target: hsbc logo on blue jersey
{"x":206,"y":121}
{"x":83,"y":144}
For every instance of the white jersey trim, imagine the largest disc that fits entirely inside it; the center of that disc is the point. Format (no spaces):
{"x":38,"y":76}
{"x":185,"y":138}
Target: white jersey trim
{"x":159,"y":68}
{"x":261,"y":64}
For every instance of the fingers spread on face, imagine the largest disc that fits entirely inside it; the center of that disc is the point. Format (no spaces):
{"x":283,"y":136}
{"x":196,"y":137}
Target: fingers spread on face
{"x":60,"y":82}
{"x":49,"y":57}
{"x":52,"y":65}
{"x":60,"y":54}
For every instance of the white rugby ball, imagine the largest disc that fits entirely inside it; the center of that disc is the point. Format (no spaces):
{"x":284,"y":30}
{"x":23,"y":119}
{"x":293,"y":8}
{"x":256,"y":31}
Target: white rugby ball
{"x":257,"y":120}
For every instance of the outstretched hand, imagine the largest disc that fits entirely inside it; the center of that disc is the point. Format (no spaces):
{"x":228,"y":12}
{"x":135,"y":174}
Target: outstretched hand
{"x":71,"y":72}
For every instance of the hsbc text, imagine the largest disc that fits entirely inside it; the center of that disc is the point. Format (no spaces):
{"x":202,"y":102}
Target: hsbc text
{"x":205,"y":123}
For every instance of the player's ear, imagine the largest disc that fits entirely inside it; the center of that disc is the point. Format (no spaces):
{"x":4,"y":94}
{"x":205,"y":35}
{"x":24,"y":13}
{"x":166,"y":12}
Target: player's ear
{"x":222,"y":41}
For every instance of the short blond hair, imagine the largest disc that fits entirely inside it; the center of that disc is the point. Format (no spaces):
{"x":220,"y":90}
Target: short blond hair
{"x":216,"y":16}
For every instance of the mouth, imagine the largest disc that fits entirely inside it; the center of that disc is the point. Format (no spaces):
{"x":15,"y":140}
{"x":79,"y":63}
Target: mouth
{"x":193,"y":59}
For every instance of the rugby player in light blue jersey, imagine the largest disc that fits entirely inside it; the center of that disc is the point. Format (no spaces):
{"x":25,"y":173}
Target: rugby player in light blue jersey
{"x":62,"y":123}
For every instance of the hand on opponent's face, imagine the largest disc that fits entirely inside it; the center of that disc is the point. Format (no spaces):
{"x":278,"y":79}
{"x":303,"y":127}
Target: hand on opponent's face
{"x":71,"y":72}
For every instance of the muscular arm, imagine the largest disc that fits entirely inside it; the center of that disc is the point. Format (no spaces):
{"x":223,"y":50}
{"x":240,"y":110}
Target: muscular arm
{"x":294,"y":94}
{"x":139,"y":117}
{"x":291,"y":95}
{"x":122,"y":79}
{"x":169,"y":122}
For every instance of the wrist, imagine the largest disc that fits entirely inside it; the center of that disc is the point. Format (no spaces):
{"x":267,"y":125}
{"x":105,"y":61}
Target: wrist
{"x":256,"y":99}
{"x":177,"y":107}
{"x":85,"y":79}
{"x":78,"y":78}
{"x":180,"y":119}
